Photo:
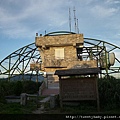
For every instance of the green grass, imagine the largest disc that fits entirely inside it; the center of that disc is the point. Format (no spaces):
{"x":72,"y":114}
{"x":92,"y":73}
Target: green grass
{"x":16,"y":108}
{"x":77,"y":110}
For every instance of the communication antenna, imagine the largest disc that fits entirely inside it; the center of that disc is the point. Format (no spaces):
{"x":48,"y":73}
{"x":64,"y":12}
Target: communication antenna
{"x":70,"y":19}
{"x":74,"y":18}
{"x":77,"y":26}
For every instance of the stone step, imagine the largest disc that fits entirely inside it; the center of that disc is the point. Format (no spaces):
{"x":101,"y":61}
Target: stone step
{"x":48,"y":102}
{"x":53,"y":85}
{"x":46,"y":92}
{"x":45,"y":100}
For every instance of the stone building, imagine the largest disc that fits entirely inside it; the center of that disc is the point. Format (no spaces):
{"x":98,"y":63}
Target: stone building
{"x":59,"y":52}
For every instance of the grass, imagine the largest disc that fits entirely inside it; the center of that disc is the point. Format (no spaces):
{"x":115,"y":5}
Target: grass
{"x":76,"y":110}
{"x":16,"y":108}
{"x":85,"y":107}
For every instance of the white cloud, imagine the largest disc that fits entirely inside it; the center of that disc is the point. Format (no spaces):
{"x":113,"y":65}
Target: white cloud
{"x":103,"y":12}
{"x":36,"y":14}
{"x":112,"y":1}
{"x":40,"y":15}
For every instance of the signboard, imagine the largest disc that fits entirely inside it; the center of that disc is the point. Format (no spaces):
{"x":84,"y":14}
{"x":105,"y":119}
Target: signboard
{"x":74,"y":89}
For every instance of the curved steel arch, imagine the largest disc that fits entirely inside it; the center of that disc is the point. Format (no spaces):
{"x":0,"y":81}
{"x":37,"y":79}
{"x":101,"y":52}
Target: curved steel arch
{"x":18,"y":62}
{"x":59,"y":33}
{"x":108,"y":49}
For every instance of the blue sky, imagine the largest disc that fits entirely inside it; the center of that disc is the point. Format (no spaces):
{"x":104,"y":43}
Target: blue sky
{"x":21,"y":19}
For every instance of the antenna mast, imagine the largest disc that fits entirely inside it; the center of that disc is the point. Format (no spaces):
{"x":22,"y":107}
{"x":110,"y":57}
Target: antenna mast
{"x":70,"y":19}
{"x":74,"y":18}
{"x":77,"y":26}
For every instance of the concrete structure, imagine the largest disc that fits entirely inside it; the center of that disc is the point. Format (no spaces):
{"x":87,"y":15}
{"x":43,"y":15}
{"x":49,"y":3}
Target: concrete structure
{"x":63,"y":61}
{"x":59,"y":52}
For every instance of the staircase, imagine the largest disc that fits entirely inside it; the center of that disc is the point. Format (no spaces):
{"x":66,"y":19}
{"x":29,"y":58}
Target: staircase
{"x":53,"y":88}
{"x":50,"y":88}
{"x":49,"y":94}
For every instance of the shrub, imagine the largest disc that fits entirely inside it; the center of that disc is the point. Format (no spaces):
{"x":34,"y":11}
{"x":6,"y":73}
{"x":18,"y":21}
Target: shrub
{"x":30,"y":87}
{"x":18,"y":88}
{"x":109,"y":92}
{"x":2,"y":98}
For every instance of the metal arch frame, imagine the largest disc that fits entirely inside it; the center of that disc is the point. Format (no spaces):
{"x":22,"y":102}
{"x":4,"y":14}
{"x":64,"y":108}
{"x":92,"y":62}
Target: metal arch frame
{"x":59,"y":33}
{"x":103,"y":42}
{"x":108,"y":70}
{"x":19,"y":61}
{"x":24,"y":55}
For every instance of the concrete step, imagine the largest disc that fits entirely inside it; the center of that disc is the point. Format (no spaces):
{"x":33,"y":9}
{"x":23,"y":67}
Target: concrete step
{"x":47,"y":92}
{"x":53,"y":85}
{"x":48,"y":102}
{"x":45,"y":100}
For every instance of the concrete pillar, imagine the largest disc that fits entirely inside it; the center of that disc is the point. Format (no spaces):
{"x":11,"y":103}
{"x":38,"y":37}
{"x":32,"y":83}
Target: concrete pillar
{"x":46,"y":82}
{"x":23,"y":99}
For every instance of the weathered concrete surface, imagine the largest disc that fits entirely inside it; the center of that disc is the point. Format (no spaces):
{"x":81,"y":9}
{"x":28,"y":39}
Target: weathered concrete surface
{"x":60,"y":53}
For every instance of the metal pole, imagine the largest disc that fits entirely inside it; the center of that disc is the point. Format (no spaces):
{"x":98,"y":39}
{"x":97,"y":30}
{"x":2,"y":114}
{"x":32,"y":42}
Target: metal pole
{"x":9,"y":68}
{"x":70,"y":19}
{"x":37,"y":76}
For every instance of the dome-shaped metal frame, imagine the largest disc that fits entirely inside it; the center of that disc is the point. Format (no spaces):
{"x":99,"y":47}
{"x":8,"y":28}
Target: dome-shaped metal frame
{"x":18,"y":62}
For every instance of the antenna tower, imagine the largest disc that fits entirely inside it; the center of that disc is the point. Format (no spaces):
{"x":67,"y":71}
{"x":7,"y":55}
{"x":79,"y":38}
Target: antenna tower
{"x":75,"y":18}
{"x":70,"y":19}
{"x":77,"y":26}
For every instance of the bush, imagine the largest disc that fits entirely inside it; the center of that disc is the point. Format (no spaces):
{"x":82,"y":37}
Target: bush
{"x":109,"y":92}
{"x":18,"y":87}
{"x":2,"y":98}
{"x":30,"y":87}
{"x":7,"y":88}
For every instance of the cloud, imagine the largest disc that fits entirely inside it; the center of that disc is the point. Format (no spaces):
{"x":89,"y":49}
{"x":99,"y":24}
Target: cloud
{"x":112,"y":1}
{"x":103,"y":12}
{"x":23,"y":18}
{"x":32,"y":16}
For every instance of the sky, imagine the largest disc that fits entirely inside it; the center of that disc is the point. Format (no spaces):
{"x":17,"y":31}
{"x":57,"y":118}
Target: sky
{"x":20,"y":20}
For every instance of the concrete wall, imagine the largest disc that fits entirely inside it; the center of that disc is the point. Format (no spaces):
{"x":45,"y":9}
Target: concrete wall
{"x":47,"y":46}
{"x":60,"y":40}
